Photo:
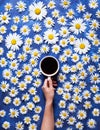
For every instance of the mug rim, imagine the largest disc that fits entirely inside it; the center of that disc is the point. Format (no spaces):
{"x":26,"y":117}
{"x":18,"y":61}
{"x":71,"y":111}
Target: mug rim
{"x":49,"y":75}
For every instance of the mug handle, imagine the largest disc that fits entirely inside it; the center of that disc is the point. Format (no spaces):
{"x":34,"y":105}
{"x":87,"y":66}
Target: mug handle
{"x":48,"y":78}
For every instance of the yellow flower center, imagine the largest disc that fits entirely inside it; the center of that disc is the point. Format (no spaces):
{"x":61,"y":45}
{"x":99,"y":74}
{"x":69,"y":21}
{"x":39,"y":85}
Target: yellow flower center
{"x":62,"y":20}
{"x":65,"y":3}
{"x":37,"y":11}
{"x":13,"y":41}
{"x":4,"y":17}
{"x":49,"y":22}
{"x":51,"y":36}
{"x":82,"y":46}
{"x":38,"y":38}
{"x":7,"y":73}
{"x":77,"y":26}
{"x":3,"y":86}
{"x":91,"y":34}
{"x":64,"y":31}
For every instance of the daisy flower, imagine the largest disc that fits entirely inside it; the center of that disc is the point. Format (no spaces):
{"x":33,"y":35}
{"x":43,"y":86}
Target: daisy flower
{"x":64,"y":114}
{"x":7,"y":73}
{"x":66,"y":96}
{"x":14,"y":113}
{"x":1,"y":50}
{"x":70,"y":13}
{"x":72,"y":39}
{"x":7,"y":100}
{"x":61,"y":77}
{"x":55,"y":13}
{"x":36,"y":27}
{"x":14,"y":64}
{"x":56,"y":49}
{"x":37,"y":109}
{"x":36,"y":117}
{"x":65,"y":3}
{"x":37,"y":82}
{"x":44,"y":48}
{"x":87,"y":16}
{"x":33,"y":62}
{"x":71,"y":120}
{"x":81,"y":114}
{"x":96,"y":42}
{"x":74,"y":78}
{"x":82,"y":46}
{"x":86,"y":94}
{"x":93,"y":4}
{"x":67,"y":86}
{"x":28,"y":79}
{"x":63,"y":42}
{"x":77,"y":26}
{"x":51,"y":4}
{"x":65,"y":69}
{"x":23,"y":109}
{"x":32,"y":126}
{"x":79,"y":65}
{"x":59,"y":91}
{"x":95,"y":78}
{"x":95,"y":57}
{"x":91,"y":123}
{"x":25,"y":18}
{"x":4,"y":86}
{"x":8,"y":6}
{"x":61,"y":20}
{"x":80,"y":8}
{"x":85,"y":59}
{"x":26,"y":49}
{"x":67,"y":52}
{"x":25,"y":97}
{"x":2,"y":113}
{"x":96,"y":112}
{"x":91,"y":68}
{"x":79,"y":125}
{"x":71,"y":107}
{"x":91,"y":35}
{"x":6,"y":125}
{"x":87,"y":105}
{"x":22,"y":57}
{"x":24,"y":30}
{"x":13,"y":41}
{"x":76,"y":98}
{"x":14,"y":80}
{"x":17,"y":101}
{"x":27,"y":120}
{"x":62,"y":58}
{"x":59,"y":123}
{"x":50,"y":36}
{"x":13,"y":92}
{"x":73,"y":68}
{"x":27,"y":68}
{"x":38,"y":39}
{"x":75,"y":57}
{"x":3,"y":29}
{"x":1,"y":38}
{"x":36,"y":72}
{"x":64,"y":32}
{"x":19,"y":126}
{"x":94,"y":88}
{"x":83,"y":74}
{"x":62,"y":104}
{"x":28,"y":41}
{"x":30,"y":106}
{"x":77,"y":90}
{"x":36,"y":99}
{"x":48,"y":22}
{"x":3,"y":62}
{"x":20,"y":6}
{"x":94,"y":24}
{"x":16,"y":19}
{"x":37,"y":11}
{"x":82,"y":84}
{"x":35,"y":53}
{"x":4,"y":18}
{"x":98,"y":13}
{"x":96,"y":98}
{"x":14,"y":28}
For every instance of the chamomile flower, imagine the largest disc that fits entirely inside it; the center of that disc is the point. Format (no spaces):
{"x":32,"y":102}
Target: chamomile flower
{"x":77,"y":26}
{"x":1,"y":38}
{"x":70,"y":13}
{"x":62,"y":58}
{"x":2,"y":113}
{"x":16,"y":19}
{"x":94,"y":88}
{"x":82,"y":46}
{"x":36,"y":99}
{"x":14,"y":80}
{"x":37,"y":11}
{"x":65,"y":69}
{"x":13,"y":41}
{"x":87,"y":105}
{"x":86,"y":59}
{"x":82,"y":84}
{"x":38,"y":39}
{"x":32,"y":91}
{"x":25,"y":30}
{"x":28,"y":78}
{"x":51,"y":36}
{"x":87,"y":16}
{"x":59,"y":91}
{"x":28,"y":41}
{"x":37,"y":109}
{"x":76,"y":98}
{"x":3,"y":62}
{"x":82,"y":74}
{"x":55,"y":13}
{"x":77,"y":90}
{"x":79,"y":125}
{"x":67,"y":52}
{"x":93,"y":4}
{"x":17,"y":101}
{"x":19,"y":73}
{"x":4,"y":86}
{"x":51,"y":4}
{"x":64,"y":114}
{"x":56,"y":49}
{"x":71,"y":107}
{"x":79,"y":66}
{"x":35,"y":53}
{"x":27,"y":120}
{"x":59,"y":123}
{"x":63,"y":42}
{"x":8,"y":6}
{"x":98,"y":13}
{"x":22,"y":57}
{"x":71,"y":120}
{"x":64,"y":32}
{"x":73,"y":68}
{"x":14,"y":64}
{"x":67,"y":86}
{"x":19,"y":126}
{"x":96,"y":112}
{"x":61,"y":77}
{"x":62,"y":104}
{"x":44,"y":48}
{"x":37,"y":82}
{"x":20,"y":6}
{"x":86,"y":94}
{"x":6,"y":125}
{"x":95,"y":57}
{"x":14,"y":113}
{"x":72,"y":39}
{"x":91,"y":68}
{"x":80,"y":8}
{"x":96,"y":42}
{"x":91,"y":123}
{"x":96,"y":98}
{"x":25,"y":97}
{"x":7,"y":73}
{"x":7,"y":100}
{"x":36,"y":72}
{"x":25,"y":18}
{"x":66,"y":96}
{"x":27,"y":68}
{"x":91,"y":35}
{"x":75,"y":57}
{"x":23,"y":109}
{"x":14,"y":28}
{"x":65,"y":4}
{"x":1,"y":50}
{"x":36,"y":27}
{"x":49,"y":22}
{"x":3,"y":29}
{"x":36,"y":117}
{"x":95,"y":78}
{"x":32,"y":126}
{"x":81,"y":114}
{"x":94,"y":24}
{"x":4,"y":18}
{"x":26,"y":49}
{"x":61,"y":20}
{"x":13,"y":92}
{"x":74,"y":78}
{"x":30,"y":106}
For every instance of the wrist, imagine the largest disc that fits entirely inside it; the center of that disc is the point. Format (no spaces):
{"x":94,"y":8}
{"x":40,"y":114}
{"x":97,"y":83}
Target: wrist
{"x":49,"y":102}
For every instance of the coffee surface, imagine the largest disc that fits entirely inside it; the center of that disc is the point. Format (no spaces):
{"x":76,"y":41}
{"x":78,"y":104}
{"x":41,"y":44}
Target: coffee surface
{"x":49,"y":65}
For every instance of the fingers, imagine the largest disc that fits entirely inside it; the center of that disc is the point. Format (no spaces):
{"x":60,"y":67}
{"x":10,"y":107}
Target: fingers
{"x":45,"y":83}
{"x":50,"y":82}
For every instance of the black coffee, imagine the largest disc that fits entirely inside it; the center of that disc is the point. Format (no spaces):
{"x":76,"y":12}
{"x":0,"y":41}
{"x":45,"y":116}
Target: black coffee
{"x":49,"y":65}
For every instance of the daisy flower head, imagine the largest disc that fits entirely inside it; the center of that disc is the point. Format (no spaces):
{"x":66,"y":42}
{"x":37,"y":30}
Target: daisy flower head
{"x":79,"y":65}
{"x":94,"y":88}
{"x":65,"y":69}
{"x":19,"y":126}
{"x":37,"y":11}
{"x":33,"y":62}
{"x":93,"y":4}
{"x":98,"y":13}
{"x":96,"y":42}
{"x":44,"y":48}
{"x":27,"y":68}
{"x":64,"y":32}
{"x":37,"y":109}
{"x":91,"y":68}
{"x":64,"y":114}
{"x":63,"y":58}
{"x":71,"y":107}
{"x":14,"y":80}
{"x":24,"y":30}
{"x":28,"y":41}
{"x":36,"y":72}
{"x":87,"y":16}
{"x":67,"y":52}
{"x":28,"y":79}
{"x":51,"y":4}
{"x":20,"y":6}
{"x":87,"y":105}
{"x":76,"y":98}
{"x":59,"y":123}
{"x":65,"y":3}
{"x":3,"y":29}
{"x":27,"y":120}
{"x":36,"y":99}
{"x":62,"y":104}
{"x":72,"y":39}
{"x":36,"y":27}
{"x":82,"y":46}
{"x":8,"y":6}
{"x":94,"y":24}
{"x":25,"y":18}
{"x":26,"y":49}
{"x":82,"y":74}
{"x":7,"y":100}
{"x":32,"y":126}
{"x":71,"y":120}
{"x":66,"y":96}
{"x":1,"y":38}
{"x":14,"y":113}
{"x":96,"y":99}
{"x":81,"y":114}
{"x":74,"y":78}
{"x":61,"y":77}
{"x":67,"y":86}
{"x":13,"y":92}
{"x":80,"y":8}
{"x":91,"y":123}
{"x":6,"y":125}
{"x":73,"y":68}
{"x":30,"y":106}
{"x":4,"y":18}
{"x":96,"y":112}
{"x":95,"y":78}
{"x":36,"y":117}
{"x":2,"y":113}
{"x":70,"y":13}
{"x":1,"y":50}
{"x":3,"y":62}
{"x":13,"y":41}
{"x":77,"y":26}
{"x":75,"y":57}
{"x":4,"y":86}
{"x":79,"y":125}
{"x":91,"y":35}
{"x":56,"y":49}
{"x":51,"y":36}
{"x":37,"y":82}
{"x":38,"y":39}
{"x":16,"y":101}
{"x":16,"y":19}
{"x":35,"y":53}
{"x":55,"y":13}
{"x":61,"y":20}
{"x":25,"y":97}
{"x":14,"y":64}
{"x":63,"y":42}
{"x":85,"y":59}
{"x":95,"y":57}
{"x":7,"y":73}
{"x":59,"y":91}
{"x":14,"y":28}
{"x":48,"y":22}
{"x":23,"y":109}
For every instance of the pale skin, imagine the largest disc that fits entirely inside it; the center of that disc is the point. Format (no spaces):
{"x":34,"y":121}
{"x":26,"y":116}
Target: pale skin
{"x":48,"y":118}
